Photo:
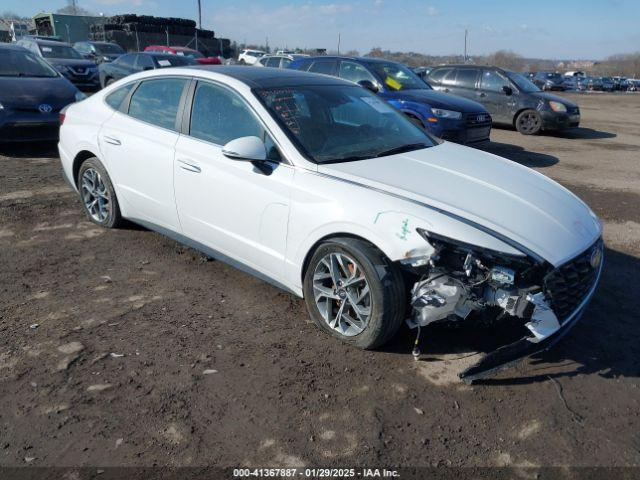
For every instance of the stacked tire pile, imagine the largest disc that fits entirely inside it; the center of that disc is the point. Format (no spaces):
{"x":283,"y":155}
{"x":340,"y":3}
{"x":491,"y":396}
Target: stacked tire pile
{"x":135,"y":32}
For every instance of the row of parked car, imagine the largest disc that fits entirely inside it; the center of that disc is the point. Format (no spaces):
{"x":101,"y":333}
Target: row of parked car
{"x":459,"y":103}
{"x":581,"y":82}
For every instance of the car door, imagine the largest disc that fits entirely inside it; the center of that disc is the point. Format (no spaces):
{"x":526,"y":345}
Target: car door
{"x":493,"y":96}
{"x":231,"y":205}
{"x":139,"y":148}
{"x":465,"y":83}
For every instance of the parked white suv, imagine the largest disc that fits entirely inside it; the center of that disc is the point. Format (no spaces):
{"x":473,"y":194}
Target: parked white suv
{"x":249,"y":57}
{"x":318,"y":186}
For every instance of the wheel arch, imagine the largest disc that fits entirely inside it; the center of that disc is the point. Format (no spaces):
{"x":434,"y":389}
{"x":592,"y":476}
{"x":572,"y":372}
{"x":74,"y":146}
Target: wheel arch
{"x":78,"y":160}
{"x":331,"y":236}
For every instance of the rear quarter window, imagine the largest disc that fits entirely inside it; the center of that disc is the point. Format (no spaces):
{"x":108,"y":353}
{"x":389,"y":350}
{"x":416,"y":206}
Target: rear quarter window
{"x":157,"y":101}
{"x":115,"y":99}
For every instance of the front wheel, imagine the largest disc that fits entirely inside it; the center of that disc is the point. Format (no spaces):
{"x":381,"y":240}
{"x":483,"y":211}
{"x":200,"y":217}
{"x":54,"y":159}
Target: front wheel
{"x":354,"y":293}
{"x":529,"y":122}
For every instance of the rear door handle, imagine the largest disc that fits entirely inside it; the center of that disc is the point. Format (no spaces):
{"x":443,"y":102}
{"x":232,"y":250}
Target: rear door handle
{"x":190,"y":167}
{"x":112,"y":140}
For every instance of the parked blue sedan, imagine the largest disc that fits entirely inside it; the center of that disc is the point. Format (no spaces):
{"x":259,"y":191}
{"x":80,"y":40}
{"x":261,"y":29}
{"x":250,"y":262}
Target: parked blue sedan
{"x":445,"y":116}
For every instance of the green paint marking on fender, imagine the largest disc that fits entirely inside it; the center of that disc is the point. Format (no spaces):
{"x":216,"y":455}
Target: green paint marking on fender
{"x":405,"y":230}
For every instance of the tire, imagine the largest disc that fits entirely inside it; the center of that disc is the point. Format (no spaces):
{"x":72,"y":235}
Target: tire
{"x":95,"y":188}
{"x":528,"y":122}
{"x":385,"y":300}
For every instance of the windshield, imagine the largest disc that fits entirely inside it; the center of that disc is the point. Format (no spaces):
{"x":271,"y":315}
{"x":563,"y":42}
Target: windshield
{"x":397,"y":77}
{"x":109,"y":48}
{"x":22,"y":64}
{"x":522,"y":82}
{"x":335,"y":123}
{"x":59,"y":51}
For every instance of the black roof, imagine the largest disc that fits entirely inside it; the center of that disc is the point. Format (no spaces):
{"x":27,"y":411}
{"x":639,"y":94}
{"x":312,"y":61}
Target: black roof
{"x":266,"y":77}
{"x":52,"y":43}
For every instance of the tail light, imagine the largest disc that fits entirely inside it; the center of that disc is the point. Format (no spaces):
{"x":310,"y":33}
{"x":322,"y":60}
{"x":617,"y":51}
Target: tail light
{"x":63,"y":114}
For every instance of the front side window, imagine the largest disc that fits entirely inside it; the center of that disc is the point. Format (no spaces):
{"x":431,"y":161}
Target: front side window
{"x":397,"y":77}
{"x":354,"y":72}
{"x":325,"y":67}
{"x":59,"y":51}
{"x":219,"y":115}
{"x":114,"y":99}
{"x":14,"y":63}
{"x":493,"y":81}
{"x":336,"y":123}
{"x":144,"y":62}
{"x":157,"y":101}
{"x":125,"y":60}
{"x":437,"y":75}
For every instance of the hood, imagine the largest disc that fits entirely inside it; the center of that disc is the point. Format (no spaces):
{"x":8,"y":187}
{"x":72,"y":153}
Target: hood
{"x":436,"y":100}
{"x":556,"y":98}
{"x":109,"y":56}
{"x":71,"y":62}
{"x":505,"y":197}
{"x":31,"y":92}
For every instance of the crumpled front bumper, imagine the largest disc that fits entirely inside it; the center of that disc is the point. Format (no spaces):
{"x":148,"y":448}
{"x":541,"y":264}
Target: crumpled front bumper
{"x":509,"y":355}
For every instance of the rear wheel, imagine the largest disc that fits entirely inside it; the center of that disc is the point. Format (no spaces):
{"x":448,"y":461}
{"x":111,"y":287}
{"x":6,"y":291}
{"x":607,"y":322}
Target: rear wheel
{"x":354,"y":293}
{"x":97,"y":194}
{"x":529,"y":122}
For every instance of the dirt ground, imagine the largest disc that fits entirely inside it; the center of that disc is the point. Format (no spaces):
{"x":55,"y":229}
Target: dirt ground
{"x":125,"y":348}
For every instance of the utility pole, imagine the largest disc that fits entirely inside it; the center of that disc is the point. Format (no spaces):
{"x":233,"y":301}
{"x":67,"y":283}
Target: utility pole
{"x":338,"y":43}
{"x":465,"y":45}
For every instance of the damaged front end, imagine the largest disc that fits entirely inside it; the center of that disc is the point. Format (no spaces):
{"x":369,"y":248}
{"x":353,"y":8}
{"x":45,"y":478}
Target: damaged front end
{"x":459,"y":281}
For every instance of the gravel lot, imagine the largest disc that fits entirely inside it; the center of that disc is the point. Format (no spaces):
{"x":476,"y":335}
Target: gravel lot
{"x":147,"y":353}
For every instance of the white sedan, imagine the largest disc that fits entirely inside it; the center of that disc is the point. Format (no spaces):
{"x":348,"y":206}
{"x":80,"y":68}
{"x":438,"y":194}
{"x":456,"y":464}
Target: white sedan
{"x":316,"y":185}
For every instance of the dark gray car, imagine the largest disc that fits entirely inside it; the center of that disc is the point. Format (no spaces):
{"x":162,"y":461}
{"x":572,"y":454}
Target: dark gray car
{"x":32,"y":93}
{"x":510,"y":97}
{"x":99,"y":51}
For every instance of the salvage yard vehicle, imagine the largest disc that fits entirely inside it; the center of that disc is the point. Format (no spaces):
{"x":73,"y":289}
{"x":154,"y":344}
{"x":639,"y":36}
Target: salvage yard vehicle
{"x":511,"y":98}
{"x":32,"y":93}
{"x":445,"y":116}
{"x":139,"y":62}
{"x":250,"y":57}
{"x":549,"y":81}
{"x":78,"y":70}
{"x":184,"y":52}
{"x":99,"y":51}
{"x":320,"y":187}
{"x":278,"y":60}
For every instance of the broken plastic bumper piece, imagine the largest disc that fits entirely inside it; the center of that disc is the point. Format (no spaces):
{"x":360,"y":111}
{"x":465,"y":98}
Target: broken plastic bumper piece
{"x":546,"y":332}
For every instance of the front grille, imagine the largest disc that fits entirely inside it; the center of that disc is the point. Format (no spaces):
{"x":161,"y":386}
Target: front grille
{"x":568,"y":285}
{"x":479,"y":119}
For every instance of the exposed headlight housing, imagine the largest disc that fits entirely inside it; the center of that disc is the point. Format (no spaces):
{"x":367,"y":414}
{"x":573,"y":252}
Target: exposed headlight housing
{"x":440,"y":113}
{"x":558,"y":107}
{"x":80,"y":96}
{"x":1,"y":107}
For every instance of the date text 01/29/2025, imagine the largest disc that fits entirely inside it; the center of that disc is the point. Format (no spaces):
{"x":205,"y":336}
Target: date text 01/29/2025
{"x":315,"y":472}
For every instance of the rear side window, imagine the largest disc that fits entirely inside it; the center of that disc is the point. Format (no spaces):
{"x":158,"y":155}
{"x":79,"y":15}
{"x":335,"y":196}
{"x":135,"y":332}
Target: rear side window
{"x":219,"y":115}
{"x":323,"y":66}
{"x":437,"y":75}
{"x":466,"y":77}
{"x":273,"y":62}
{"x":144,"y":62}
{"x":114,"y":99}
{"x":125,"y":60}
{"x":157,"y":101}
{"x":303,"y":65}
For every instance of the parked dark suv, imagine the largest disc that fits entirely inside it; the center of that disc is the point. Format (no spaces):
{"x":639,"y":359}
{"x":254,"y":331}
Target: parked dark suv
{"x":510,"y":97}
{"x":549,"y":81}
{"x":99,"y":51}
{"x":78,"y":70}
{"x":446,"y":116}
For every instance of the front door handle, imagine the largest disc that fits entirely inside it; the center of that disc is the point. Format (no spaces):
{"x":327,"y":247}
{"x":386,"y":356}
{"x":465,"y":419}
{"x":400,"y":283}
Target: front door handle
{"x":445,"y":90}
{"x":112,"y":140}
{"x":190,"y":167}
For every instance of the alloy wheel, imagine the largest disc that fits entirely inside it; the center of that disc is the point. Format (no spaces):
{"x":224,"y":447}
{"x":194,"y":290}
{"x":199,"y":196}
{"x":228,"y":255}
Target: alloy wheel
{"x":95,"y":195}
{"x":342,"y":294}
{"x":529,"y":122}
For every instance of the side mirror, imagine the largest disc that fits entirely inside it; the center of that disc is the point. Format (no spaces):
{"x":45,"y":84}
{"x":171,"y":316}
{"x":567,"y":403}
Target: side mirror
{"x":246,"y":148}
{"x":369,"y":85}
{"x":507,"y":90}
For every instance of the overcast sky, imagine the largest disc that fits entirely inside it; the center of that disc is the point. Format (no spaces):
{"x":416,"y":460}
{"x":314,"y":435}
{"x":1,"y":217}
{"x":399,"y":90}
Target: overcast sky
{"x":541,"y":28}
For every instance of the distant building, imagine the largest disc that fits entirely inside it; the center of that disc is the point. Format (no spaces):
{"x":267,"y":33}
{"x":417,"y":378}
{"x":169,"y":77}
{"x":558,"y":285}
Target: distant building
{"x":68,"y":28}
{"x":11,"y":26}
